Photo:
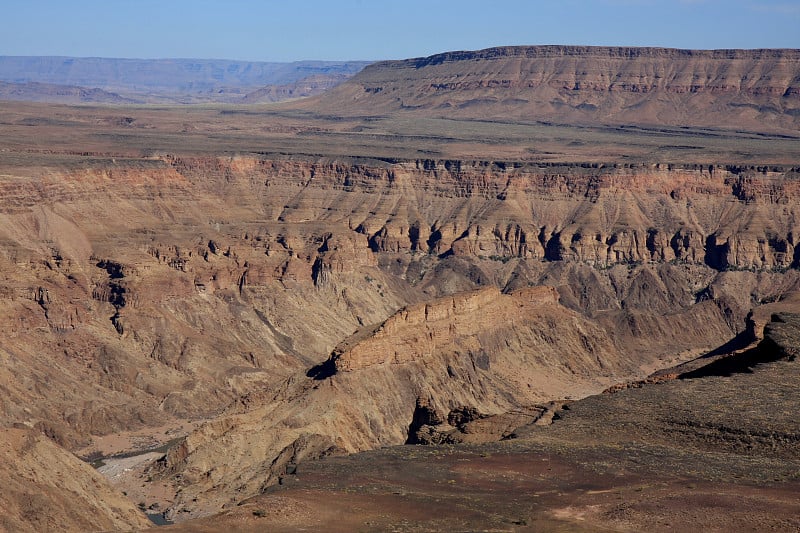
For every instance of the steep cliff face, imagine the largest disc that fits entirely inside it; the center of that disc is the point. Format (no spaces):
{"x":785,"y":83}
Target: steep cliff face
{"x":738,"y":217}
{"x":755,"y":89}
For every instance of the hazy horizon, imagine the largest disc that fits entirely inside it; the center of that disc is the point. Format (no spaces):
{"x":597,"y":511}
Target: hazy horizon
{"x":357,"y":30}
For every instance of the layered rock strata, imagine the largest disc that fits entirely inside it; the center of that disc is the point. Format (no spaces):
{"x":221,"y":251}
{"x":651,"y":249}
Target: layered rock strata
{"x":722,"y":216}
{"x":419,"y":331}
{"x":157,"y":290}
{"x":182,"y":321}
{"x":757,"y":89}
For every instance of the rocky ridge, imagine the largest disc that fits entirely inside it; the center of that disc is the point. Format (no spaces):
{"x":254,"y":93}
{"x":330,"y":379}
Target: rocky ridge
{"x":501,"y":352}
{"x":416,"y":332}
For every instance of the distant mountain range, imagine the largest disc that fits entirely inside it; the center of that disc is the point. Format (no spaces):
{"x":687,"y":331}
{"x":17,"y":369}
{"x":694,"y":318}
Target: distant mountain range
{"x":71,"y":80}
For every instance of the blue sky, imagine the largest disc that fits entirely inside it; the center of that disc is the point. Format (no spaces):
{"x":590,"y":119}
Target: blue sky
{"x":291,"y":30}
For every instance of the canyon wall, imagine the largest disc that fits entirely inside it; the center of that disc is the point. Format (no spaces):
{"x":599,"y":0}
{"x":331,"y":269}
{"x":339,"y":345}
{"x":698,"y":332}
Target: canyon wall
{"x":119,"y":257}
{"x":297,"y":297}
{"x":737,"y":217}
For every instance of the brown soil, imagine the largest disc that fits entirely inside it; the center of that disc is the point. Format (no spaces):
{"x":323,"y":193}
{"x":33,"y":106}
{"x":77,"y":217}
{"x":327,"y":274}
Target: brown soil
{"x":503,"y":488}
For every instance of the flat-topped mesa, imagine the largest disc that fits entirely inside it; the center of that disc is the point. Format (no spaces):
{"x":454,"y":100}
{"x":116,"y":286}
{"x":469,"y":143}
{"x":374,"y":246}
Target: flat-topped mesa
{"x":623,"y":52}
{"x":421,"y":330}
{"x":752,"y":89}
{"x":629,"y":69}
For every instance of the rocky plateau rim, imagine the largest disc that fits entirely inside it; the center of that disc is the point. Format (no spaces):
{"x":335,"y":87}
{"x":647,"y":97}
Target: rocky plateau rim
{"x":86,"y":160}
{"x":622,"y":52}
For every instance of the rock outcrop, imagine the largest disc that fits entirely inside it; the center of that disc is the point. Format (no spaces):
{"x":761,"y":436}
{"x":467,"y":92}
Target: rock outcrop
{"x":467,"y":424}
{"x":420,"y":331}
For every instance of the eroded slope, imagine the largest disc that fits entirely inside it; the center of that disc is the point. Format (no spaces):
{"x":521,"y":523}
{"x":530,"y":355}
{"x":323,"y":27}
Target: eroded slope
{"x":482,"y":350}
{"x":46,"y":488}
{"x":173,"y":285}
{"x":711,"y":452}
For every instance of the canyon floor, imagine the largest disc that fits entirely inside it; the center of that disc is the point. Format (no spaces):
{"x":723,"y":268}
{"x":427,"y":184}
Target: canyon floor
{"x":398,"y":307}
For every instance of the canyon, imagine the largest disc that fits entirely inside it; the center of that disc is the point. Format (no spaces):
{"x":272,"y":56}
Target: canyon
{"x":251,"y":290}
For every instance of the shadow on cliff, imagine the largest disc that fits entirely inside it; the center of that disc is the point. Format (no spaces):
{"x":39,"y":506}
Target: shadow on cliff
{"x":739,"y":342}
{"x":322,"y":370}
{"x":767,"y":351}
